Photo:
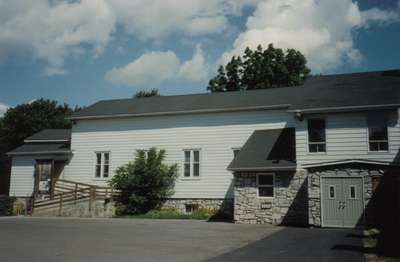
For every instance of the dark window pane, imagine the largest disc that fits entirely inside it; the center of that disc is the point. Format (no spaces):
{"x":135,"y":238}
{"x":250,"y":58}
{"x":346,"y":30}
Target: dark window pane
{"x":265,"y":180}
{"x":196,"y":170}
{"x":187,"y":170}
{"x":98,"y":158}
{"x":196,"y":156}
{"x":266,"y":191}
{"x":98,"y":170}
{"x":316,"y":130}
{"x":105,"y":171}
{"x":313,"y":148}
{"x":331,"y":192}
{"x":352,"y":192}
{"x":187,"y":156}
{"x":383,"y":146}
{"x":377,"y":133}
{"x":106,"y":158}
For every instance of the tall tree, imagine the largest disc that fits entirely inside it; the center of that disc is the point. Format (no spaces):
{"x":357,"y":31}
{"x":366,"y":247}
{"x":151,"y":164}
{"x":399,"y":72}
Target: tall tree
{"x":259,"y":69}
{"x":24,"y":120}
{"x":144,"y":93}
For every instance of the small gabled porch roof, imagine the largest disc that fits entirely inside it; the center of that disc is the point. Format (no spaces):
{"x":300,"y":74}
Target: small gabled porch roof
{"x":267,"y":150}
{"x":350,"y":161}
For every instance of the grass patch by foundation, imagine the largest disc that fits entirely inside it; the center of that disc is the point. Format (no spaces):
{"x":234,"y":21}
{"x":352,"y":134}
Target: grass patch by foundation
{"x":172,"y":213}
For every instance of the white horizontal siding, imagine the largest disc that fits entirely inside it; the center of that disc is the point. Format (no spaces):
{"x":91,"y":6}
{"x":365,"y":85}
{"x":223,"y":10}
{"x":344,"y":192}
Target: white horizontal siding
{"x":214,"y":134}
{"x":346,"y":137}
{"x":22,"y":176}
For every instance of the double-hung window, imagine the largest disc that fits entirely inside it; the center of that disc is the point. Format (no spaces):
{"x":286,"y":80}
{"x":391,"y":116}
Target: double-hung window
{"x":265,"y":184}
{"x":378,"y":136}
{"x":102,"y":168}
{"x":316,"y":136}
{"x":191,"y":166}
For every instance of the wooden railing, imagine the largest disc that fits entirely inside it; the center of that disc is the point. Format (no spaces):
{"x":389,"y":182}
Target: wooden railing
{"x":66,"y":192}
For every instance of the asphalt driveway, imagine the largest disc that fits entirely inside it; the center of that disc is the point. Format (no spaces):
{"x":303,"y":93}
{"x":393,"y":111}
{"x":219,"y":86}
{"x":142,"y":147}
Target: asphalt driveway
{"x":61,"y":239}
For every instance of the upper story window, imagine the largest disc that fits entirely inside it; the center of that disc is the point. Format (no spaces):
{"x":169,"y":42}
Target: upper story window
{"x":378,"y":138}
{"x":102,"y":164}
{"x":265,"y":184}
{"x":316,"y":135}
{"x":191,"y":166}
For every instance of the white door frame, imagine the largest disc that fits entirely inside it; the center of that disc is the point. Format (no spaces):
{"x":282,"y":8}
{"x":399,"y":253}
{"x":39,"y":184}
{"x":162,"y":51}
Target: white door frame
{"x":321,"y":199}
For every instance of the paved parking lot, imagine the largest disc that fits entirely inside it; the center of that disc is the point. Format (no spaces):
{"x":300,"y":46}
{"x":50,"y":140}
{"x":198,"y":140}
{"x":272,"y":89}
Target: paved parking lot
{"x":63,"y":239}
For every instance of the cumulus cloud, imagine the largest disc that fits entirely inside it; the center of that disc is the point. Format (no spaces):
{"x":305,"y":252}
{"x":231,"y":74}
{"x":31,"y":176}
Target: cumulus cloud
{"x":152,"y":68}
{"x":3,"y":109}
{"x":195,"y":69}
{"x":54,"y":30}
{"x":321,"y":30}
{"x":151,"y":19}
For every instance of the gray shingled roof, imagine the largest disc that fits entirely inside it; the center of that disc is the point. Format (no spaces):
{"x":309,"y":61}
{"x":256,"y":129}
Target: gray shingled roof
{"x":257,"y":153}
{"x":41,"y":148}
{"x":331,"y":91}
{"x":51,"y":135}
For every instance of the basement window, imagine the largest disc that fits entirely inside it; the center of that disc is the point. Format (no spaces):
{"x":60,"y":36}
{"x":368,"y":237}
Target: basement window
{"x":190,"y":208}
{"x":265,"y":184}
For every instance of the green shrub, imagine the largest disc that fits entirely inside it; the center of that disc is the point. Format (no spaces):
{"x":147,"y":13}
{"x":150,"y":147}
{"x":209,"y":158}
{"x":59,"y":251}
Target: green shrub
{"x":6,"y":205}
{"x":144,"y":183}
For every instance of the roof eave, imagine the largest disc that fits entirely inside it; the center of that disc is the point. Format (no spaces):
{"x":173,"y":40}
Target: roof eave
{"x":266,"y":168}
{"x":252,"y":108}
{"x":349,"y":161}
{"x":343,"y":108}
{"x":40,"y":153}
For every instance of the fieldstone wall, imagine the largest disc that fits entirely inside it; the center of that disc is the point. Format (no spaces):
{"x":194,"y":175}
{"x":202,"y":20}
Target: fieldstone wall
{"x":314,"y":188}
{"x":224,"y":206}
{"x":288,"y":206}
{"x":98,"y":209}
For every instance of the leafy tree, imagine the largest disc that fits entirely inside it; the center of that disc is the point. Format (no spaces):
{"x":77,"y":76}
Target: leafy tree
{"x":24,"y":120}
{"x":259,"y":69}
{"x":144,"y":93}
{"x":144,"y":183}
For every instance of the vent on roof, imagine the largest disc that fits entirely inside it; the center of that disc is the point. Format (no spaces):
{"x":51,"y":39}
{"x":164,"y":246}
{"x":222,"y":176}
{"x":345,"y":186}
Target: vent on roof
{"x":395,"y":72}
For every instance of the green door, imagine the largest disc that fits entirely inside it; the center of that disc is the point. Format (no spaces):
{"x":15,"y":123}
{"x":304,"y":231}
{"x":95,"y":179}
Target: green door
{"x":342,"y":202}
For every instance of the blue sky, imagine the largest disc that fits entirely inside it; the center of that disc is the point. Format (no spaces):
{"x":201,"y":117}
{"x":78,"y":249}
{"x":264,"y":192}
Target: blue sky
{"x":79,"y":52}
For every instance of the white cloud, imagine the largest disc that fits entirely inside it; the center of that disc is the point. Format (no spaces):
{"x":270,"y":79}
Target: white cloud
{"x":153,"y":68}
{"x":321,"y":30}
{"x":195,"y":69}
{"x":54,"y":30}
{"x":149,"y":69}
{"x":3,"y":109}
{"x":153,"y":19}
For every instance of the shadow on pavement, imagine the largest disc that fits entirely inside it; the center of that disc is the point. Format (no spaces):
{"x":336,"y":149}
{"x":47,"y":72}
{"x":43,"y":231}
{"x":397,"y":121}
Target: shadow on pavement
{"x":301,"y":244}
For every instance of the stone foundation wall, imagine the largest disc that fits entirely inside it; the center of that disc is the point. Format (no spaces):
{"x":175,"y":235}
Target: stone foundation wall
{"x":224,"y":206}
{"x":288,"y":206}
{"x":98,"y":209}
{"x":314,"y":189}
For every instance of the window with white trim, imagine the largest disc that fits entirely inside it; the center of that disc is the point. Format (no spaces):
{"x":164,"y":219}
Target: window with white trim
{"x":191,"y":165}
{"x":332,"y":192}
{"x":102,"y":168}
{"x":378,"y":138}
{"x":265,"y":184}
{"x":316,"y":135}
